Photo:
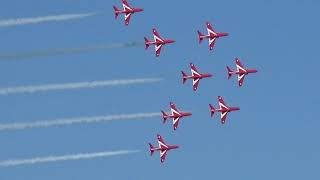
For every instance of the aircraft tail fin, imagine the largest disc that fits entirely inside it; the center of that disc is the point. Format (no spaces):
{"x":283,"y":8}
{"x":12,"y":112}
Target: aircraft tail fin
{"x":200,"y":36}
{"x":146,"y":41}
{"x":164,"y":116}
{"x":116,"y":12}
{"x":151,"y":149}
{"x":212,"y":110}
{"x":184,"y":77}
{"x":229,"y":72}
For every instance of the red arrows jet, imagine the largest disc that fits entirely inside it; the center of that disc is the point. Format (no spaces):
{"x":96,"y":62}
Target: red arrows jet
{"x":163,"y":148}
{"x":158,"y":42}
{"x":176,"y":115}
{"x":212,"y":36}
{"x":127,"y":11}
{"x":241,"y":71}
{"x":195,"y":76}
{"x":224,"y":109}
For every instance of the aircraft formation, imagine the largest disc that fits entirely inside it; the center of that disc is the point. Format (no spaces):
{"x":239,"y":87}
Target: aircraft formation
{"x":195,"y":76}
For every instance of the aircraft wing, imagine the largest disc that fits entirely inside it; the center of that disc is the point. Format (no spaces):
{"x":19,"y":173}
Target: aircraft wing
{"x":223,"y":117}
{"x":240,"y":67}
{"x":126,"y":5}
{"x":195,"y":83}
{"x":212,"y":42}
{"x":127,"y":17}
{"x":163,"y":154}
{"x":210,"y":29}
{"x":174,"y":109}
{"x":241,"y":79}
{"x":194,"y":70}
{"x":176,"y":123}
{"x":161,"y":142}
{"x":158,"y":49}
{"x":222,"y":104}
{"x":156,"y":36}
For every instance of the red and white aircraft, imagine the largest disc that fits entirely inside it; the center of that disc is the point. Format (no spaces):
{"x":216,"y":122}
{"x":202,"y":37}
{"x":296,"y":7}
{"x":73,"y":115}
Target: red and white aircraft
{"x":176,"y":115}
{"x":163,"y":148}
{"x":158,"y":42}
{"x":127,"y":11}
{"x":212,"y":36}
{"x":241,"y":72}
{"x":195,"y":76}
{"x":224,"y":109}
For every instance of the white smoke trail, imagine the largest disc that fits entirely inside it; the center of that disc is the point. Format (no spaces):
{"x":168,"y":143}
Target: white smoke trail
{"x":64,"y":51}
{"x":78,"y":85}
{"x":36,"y":20}
{"x":70,"y":157}
{"x":79,"y":120}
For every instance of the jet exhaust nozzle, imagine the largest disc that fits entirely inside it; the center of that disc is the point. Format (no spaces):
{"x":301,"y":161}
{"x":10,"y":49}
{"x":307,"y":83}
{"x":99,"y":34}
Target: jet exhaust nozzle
{"x":212,"y":110}
{"x":151,"y":149}
{"x":164,"y":116}
{"x":184,"y":77}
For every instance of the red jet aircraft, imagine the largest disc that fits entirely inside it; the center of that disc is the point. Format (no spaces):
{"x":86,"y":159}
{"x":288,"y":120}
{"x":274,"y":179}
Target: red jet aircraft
{"x":158,"y":42}
{"x":195,"y":76}
{"x":175,"y":115}
{"x":127,"y":10}
{"x":241,"y":71}
{"x":212,"y":36}
{"x":224,"y":109}
{"x":163,"y":148}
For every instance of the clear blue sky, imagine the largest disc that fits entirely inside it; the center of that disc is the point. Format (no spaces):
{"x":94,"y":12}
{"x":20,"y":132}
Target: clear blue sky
{"x":274,"y":136}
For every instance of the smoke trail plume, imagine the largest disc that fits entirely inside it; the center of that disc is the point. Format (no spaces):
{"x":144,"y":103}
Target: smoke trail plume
{"x":78,"y":120}
{"x":36,"y":20}
{"x":78,"y":85}
{"x":63,"y":51}
{"x":70,"y":157}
